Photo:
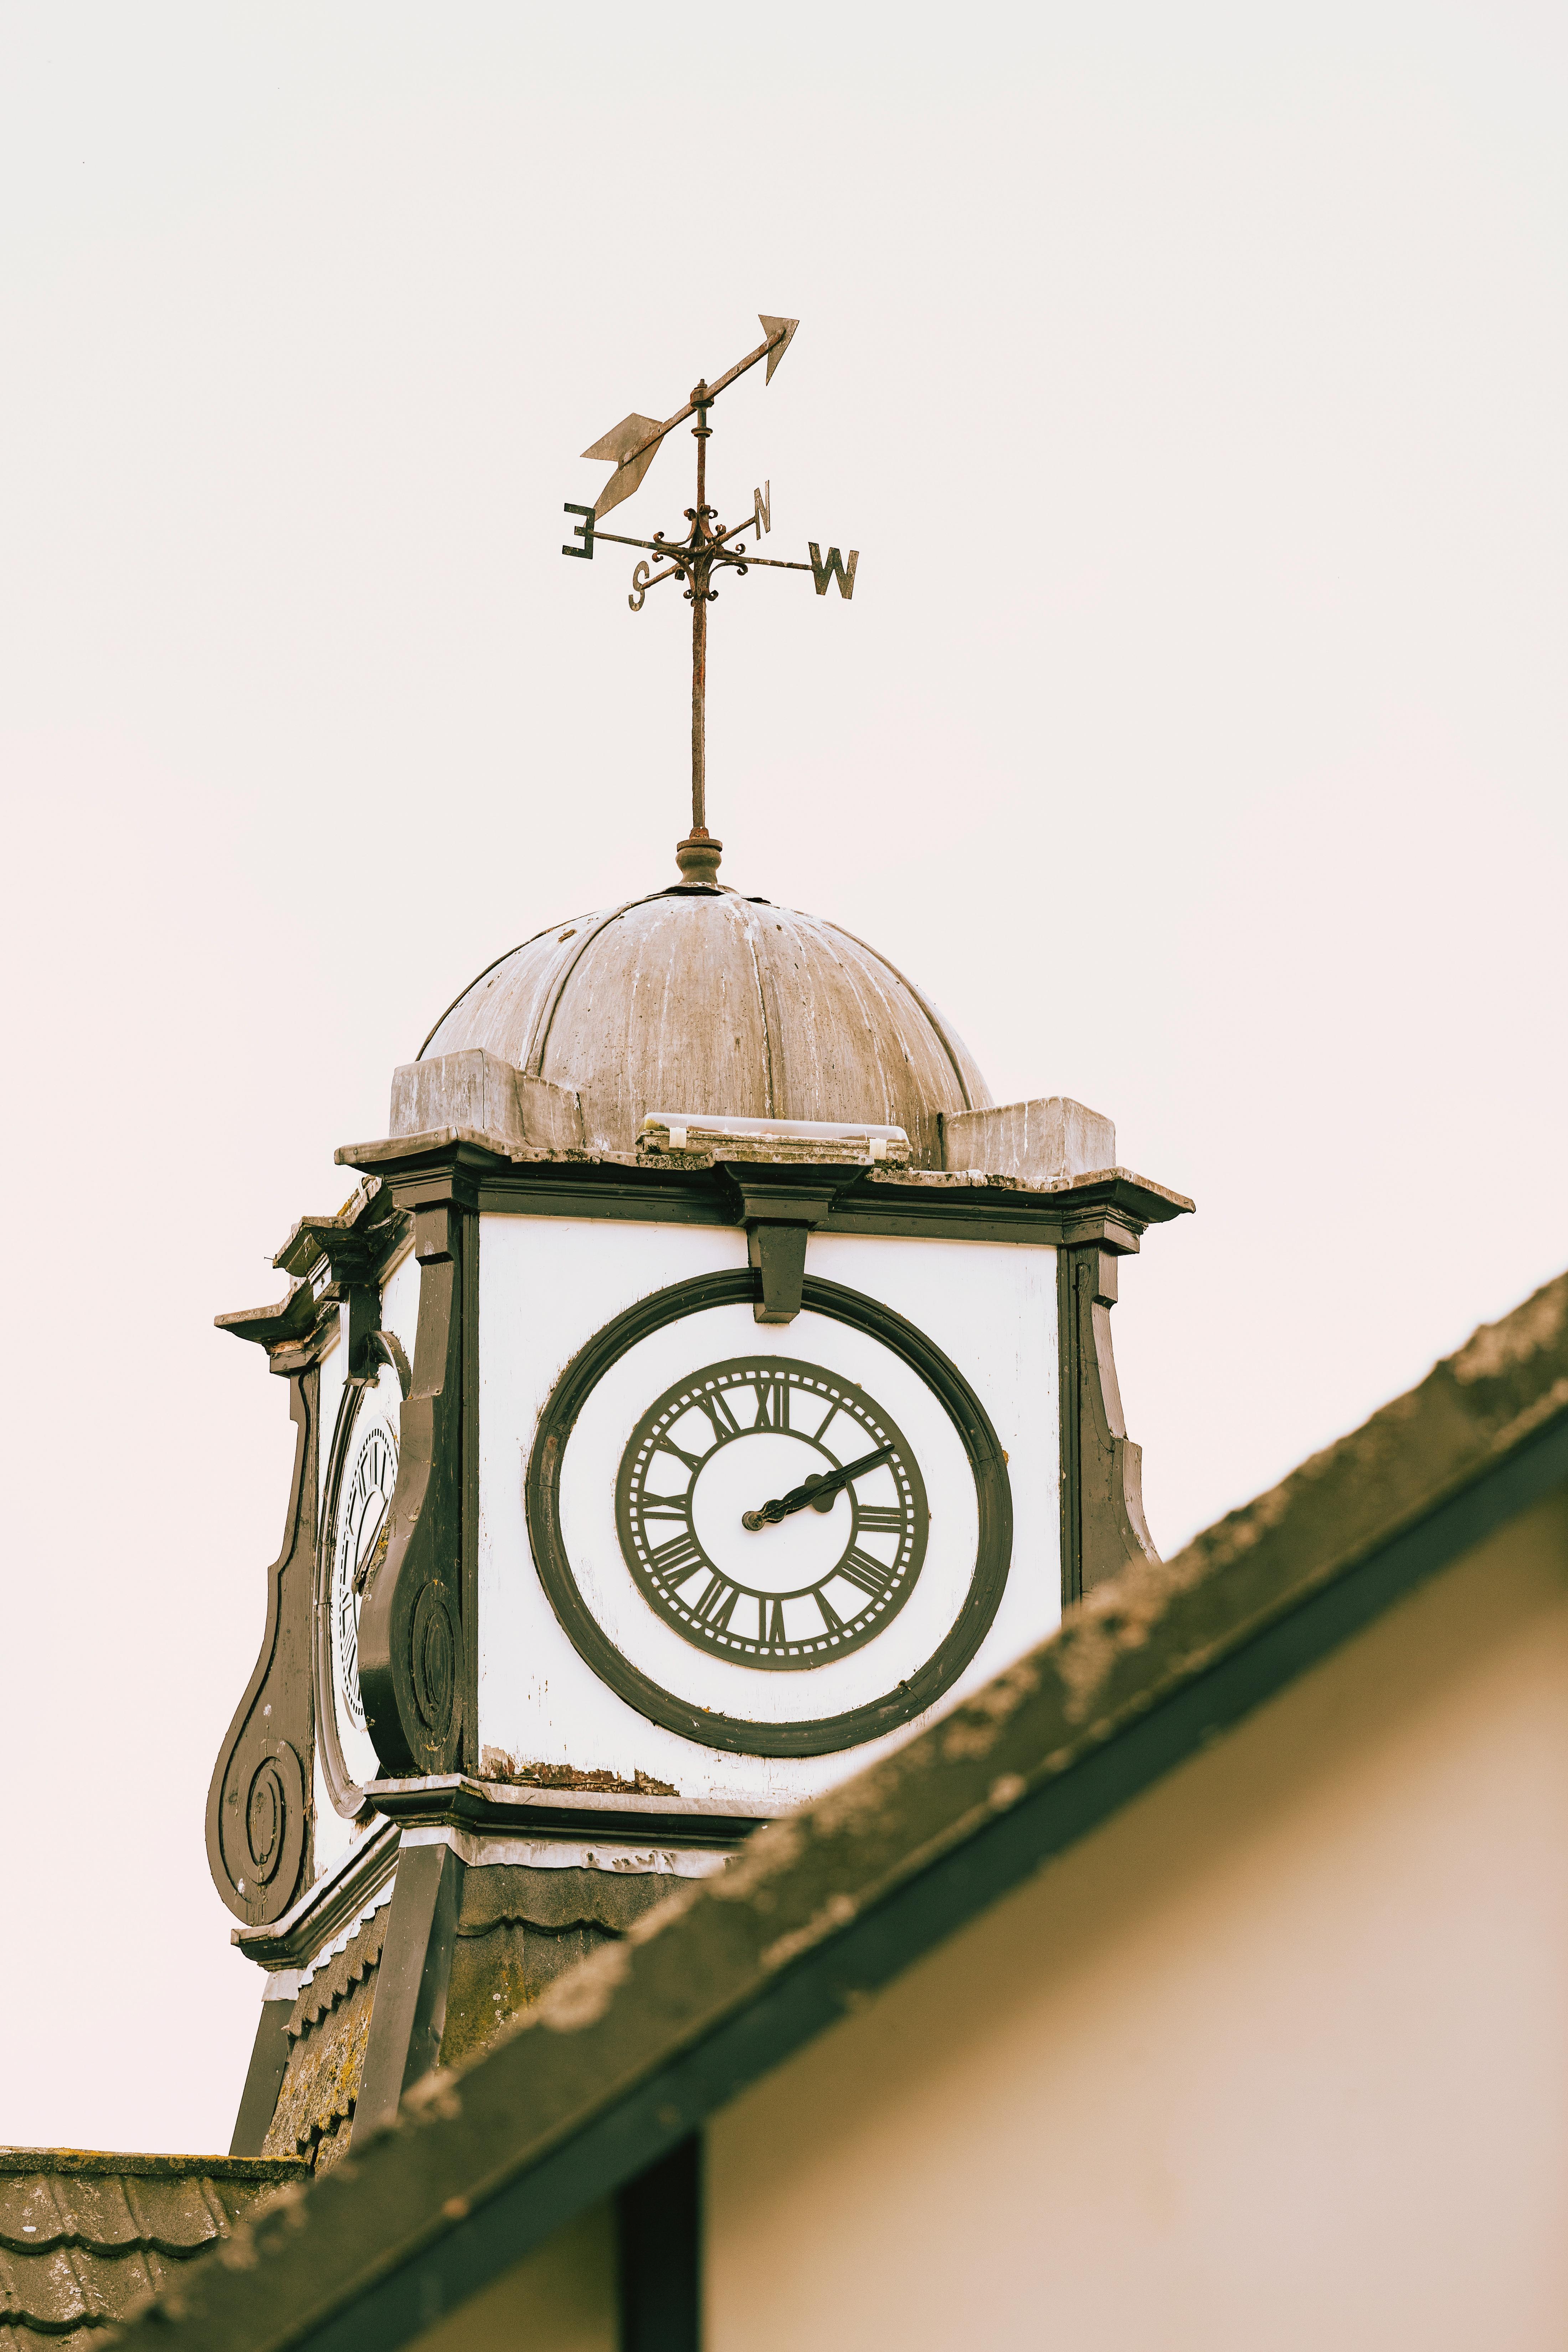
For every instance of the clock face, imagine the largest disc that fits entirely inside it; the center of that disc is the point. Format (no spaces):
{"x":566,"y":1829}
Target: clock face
{"x":361,"y":1508}
{"x":789,"y":1592}
{"x":780,"y":1549}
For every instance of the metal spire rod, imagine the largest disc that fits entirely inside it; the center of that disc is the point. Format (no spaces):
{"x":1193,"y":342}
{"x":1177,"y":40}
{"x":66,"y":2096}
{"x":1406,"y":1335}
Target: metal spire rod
{"x":632,"y":445}
{"x":701,"y":596}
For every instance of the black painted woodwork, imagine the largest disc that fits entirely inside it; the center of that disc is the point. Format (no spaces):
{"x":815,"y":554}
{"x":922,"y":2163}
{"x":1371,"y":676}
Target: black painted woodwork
{"x":1102,"y":1469}
{"x":778,"y":1253}
{"x":263,"y":2078}
{"x":781,"y":1210}
{"x":1116,"y":1208}
{"x":409,"y":2013}
{"x":259,"y":1804}
{"x":331,"y":1903}
{"x":453,"y":1801}
{"x":659,"y":2248}
{"x":258,"y":1816}
{"x":413,"y":1649}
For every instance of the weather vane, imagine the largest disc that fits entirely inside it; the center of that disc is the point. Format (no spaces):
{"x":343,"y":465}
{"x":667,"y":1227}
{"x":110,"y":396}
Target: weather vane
{"x":632,"y":446}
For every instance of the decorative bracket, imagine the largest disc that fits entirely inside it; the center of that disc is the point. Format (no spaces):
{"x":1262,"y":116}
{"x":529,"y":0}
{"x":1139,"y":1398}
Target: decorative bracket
{"x":258,"y":1805}
{"x":370,"y":1349}
{"x":355,"y":1246}
{"x":779,"y":1216}
{"x":1103,"y":1527}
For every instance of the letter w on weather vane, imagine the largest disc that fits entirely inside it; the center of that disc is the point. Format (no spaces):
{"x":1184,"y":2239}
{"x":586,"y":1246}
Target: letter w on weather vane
{"x":631,"y":447}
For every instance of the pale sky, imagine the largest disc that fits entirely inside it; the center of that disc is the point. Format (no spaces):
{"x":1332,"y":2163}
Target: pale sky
{"x":1193,"y":382}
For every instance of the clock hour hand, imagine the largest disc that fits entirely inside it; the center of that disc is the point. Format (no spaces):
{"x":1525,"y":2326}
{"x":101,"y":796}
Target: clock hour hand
{"x":815,"y":1490}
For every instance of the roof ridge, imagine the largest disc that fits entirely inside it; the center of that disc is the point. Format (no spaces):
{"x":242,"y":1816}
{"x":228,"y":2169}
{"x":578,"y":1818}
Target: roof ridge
{"x":131,"y":2164}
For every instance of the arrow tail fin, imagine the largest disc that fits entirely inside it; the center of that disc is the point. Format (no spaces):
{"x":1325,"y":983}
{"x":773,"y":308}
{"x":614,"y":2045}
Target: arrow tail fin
{"x":624,"y":481}
{"x":617,"y":446}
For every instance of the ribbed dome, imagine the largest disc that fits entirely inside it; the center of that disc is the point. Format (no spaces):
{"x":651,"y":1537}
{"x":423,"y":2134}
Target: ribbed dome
{"x":707,"y":1001}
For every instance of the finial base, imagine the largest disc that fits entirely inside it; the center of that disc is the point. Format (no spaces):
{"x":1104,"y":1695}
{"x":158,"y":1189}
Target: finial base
{"x":697,"y":858}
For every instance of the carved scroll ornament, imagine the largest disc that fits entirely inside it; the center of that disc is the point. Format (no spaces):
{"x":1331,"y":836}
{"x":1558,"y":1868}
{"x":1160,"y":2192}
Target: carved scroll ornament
{"x":258,"y":1821}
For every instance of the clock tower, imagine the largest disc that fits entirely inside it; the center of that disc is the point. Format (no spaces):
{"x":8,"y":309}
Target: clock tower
{"x":704,"y":1385}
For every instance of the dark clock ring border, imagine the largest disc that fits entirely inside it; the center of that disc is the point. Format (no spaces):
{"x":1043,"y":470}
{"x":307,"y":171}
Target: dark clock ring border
{"x":994,"y":1549}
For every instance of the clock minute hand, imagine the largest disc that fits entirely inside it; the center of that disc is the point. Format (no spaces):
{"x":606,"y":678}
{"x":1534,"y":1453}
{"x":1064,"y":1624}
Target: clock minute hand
{"x":367,"y":1557}
{"x":799,"y":1497}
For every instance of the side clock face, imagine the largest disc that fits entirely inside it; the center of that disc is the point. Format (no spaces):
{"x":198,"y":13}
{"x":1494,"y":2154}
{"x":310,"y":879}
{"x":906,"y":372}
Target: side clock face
{"x":781,"y":1544}
{"x":365,"y":1475}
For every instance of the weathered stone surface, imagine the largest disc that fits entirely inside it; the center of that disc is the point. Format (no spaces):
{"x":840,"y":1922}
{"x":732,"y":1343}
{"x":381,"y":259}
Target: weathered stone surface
{"x":1048,"y":1142}
{"x":520,"y":1928}
{"x":327,"y":2031}
{"x":478,"y":1090}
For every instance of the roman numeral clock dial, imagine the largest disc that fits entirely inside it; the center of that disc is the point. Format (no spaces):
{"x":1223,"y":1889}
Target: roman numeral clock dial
{"x":779,"y":1553}
{"x":773,"y":1512}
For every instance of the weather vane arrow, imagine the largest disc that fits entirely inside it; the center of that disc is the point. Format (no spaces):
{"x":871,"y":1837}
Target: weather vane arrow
{"x":631,"y":448}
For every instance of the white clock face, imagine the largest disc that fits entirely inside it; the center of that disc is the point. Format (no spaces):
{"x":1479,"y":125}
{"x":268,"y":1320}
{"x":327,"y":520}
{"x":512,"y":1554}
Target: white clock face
{"x":360,"y":1527}
{"x":771,"y":1512}
{"x":782,"y":1541}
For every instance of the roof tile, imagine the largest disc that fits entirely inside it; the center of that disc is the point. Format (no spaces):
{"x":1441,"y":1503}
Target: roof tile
{"x":173,"y":2214}
{"x":87,"y":2240}
{"x":95,"y":2209}
{"x":30,"y":2217}
{"x":45,"y":2290}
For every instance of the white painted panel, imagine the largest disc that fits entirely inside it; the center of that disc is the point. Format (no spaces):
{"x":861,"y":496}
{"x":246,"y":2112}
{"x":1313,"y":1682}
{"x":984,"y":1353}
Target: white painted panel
{"x":333,"y":1835}
{"x":991,"y":1307}
{"x":546,"y":1286}
{"x":400,"y":1299}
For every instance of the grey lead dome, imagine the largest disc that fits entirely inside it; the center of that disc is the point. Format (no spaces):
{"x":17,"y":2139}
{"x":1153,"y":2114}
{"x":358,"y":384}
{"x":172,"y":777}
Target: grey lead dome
{"x":707,"y":1001}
